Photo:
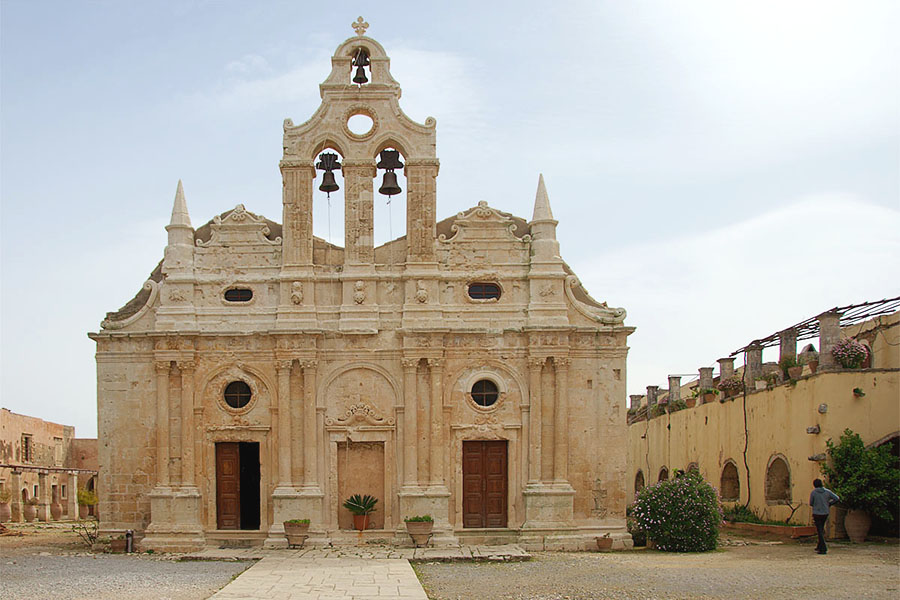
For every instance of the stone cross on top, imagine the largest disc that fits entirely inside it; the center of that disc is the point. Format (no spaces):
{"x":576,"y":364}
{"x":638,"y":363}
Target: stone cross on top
{"x":360,"y":26}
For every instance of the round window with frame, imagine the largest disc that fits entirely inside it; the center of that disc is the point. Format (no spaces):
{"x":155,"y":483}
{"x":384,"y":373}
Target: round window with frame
{"x":484,"y":393}
{"x":237,"y":394}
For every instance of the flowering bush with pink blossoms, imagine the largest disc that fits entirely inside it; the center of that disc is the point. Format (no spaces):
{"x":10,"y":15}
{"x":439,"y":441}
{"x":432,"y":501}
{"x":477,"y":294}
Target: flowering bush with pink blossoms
{"x":850,"y":353}
{"x":680,"y":515}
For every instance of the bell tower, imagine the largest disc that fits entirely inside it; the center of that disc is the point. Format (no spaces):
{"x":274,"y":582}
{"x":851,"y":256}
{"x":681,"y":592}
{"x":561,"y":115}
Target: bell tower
{"x":360,"y":83}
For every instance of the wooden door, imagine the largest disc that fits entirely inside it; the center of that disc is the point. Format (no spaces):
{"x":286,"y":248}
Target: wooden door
{"x":484,"y":484}
{"x":228,"y":486}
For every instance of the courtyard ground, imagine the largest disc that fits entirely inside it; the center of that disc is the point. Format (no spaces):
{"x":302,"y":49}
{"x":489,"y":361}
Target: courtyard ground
{"x":48,"y":561}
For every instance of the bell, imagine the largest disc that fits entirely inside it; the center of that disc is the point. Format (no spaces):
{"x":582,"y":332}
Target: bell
{"x":328,"y":183}
{"x":360,"y":76}
{"x":389,"y":186}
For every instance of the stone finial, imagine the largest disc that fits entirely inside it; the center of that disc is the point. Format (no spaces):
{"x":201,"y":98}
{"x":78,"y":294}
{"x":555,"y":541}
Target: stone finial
{"x":674,"y":388}
{"x":542,"y":210}
{"x":359,"y":26}
{"x":652,"y":392}
{"x":706,"y":378}
{"x":726,"y":367}
{"x":180,"y":216}
{"x":636,"y":400}
{"x":829,"y":335}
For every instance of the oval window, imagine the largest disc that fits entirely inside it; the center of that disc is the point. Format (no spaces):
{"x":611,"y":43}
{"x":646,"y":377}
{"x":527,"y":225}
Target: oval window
{"x":484,"y":392}
{"x":238,"y":295}
{"x":484,"y":291}
{"x":237,"y":394}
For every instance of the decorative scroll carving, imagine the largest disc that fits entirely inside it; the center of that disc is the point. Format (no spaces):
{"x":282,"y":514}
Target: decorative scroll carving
{"x":153,"y":288}
{"x":481,"y":223}
{"x":536,"y":361}
{"x":297,"y":292}
{"x":186,"y":366}
{"x":239,"y":227}
{"x":598,"y":311}
{"x":409,"y":363}
{"x":359,"y":412}
{"x":436,"y":363}
{"x":561,"y":362}
{"x":421,"y":292}
{"x":283,"y":365}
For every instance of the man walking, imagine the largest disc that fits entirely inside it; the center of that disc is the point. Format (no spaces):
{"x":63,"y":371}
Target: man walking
{"x":821,"y":500}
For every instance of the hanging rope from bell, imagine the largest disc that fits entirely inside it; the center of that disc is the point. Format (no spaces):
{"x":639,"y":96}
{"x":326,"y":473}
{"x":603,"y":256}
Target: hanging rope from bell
{"x":389,"y":160}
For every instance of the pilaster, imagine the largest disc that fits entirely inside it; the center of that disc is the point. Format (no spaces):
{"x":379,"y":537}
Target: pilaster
{"x":72,"y":498}
{"x":410,"y":426}
{"x":296,"y":305}
{"x":43,"y":507}
{"x":15,"y":505}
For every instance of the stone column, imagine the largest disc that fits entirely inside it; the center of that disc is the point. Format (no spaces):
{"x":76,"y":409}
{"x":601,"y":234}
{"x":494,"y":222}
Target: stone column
{"x":283,"y":369}
{"x":674,"y":389}
{"x":652,"y":392}
{"x":535,"y":365}
{"x":162,"y":423}
{"x":359,"y":176}
{"x":635,"y":401}
{"x":752,"y":363}
{"x":726,"y":368}
{"x":410,"y":429}
{"x":421,"y":177}
{"x":297,"y":195}
{"x":187,"y":422}
{"x":15,"y":505}
{"x":706,"y":378}
{"x":829,"y":335}
{"x":310,"y":431}
{"x":437,"y":422}
{"x":72,"y":498}
{"x":43,"y":507}
{"x":561,"y":422}
{"x":787,"y":344}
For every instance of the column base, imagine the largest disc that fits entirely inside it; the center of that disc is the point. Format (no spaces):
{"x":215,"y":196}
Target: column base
{"x":434,"y":501}
{"x":549,"y":506}
{"x":174,"y":520}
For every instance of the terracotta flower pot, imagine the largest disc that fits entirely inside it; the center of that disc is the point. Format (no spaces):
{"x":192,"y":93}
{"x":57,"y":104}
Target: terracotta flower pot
{"x":707,"y":398}
{"x":604,"y":544}
{"x":360,"y":522}
{"x":55,"y":511}
{"x":296,"y":533}
{"x":29,"y":512}
{"x":420,"y":532}
{"x":83,"y":511}
{"x":795,"y":372}
{"x":813,"y":365}
{"x":691,"y":403}
{"x":857,"y":523}
{"x":5,"y":512}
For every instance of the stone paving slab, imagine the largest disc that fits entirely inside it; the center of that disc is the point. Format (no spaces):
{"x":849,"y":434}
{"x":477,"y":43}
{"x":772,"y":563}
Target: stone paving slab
{"x":507,"y":552}
{"x":287,"y":577}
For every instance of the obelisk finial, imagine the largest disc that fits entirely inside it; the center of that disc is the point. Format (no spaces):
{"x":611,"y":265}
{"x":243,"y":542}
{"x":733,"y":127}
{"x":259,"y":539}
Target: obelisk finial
{"x":360,"y":26}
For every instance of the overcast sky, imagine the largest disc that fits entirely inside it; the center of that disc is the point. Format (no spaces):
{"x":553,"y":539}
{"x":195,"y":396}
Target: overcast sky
{"x":720,"y":169}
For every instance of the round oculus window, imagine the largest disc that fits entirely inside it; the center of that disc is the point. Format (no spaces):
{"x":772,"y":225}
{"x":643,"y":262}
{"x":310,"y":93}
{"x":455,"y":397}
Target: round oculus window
{"x":485,"y":392}
{"x":237,"y":394}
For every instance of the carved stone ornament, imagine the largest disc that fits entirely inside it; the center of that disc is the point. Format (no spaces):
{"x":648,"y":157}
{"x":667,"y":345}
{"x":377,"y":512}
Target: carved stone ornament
{"x":359,"y":296}
{"x":482,"y":223}
{"x":421,"y":292}
{"x":239,"y":227}
{"x":150,"y":286}
{"x":590,"y":308}
{"x":359,"y":413}
{"x":297,"y":292}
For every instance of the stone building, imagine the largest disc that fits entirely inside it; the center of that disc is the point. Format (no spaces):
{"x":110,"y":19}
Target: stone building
{"x":765,"y":445}
{"x":44,"y":460}
{"x":461,"y":370}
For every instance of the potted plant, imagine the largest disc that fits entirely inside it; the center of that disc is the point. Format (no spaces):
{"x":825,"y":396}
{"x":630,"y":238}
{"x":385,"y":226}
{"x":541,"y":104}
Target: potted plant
{"x":361,"y":507}
{"x":858,"y":392}
{"x":790,"y":367}
{"x":810,"y":358}
{"x":419,"y":529}
{"x":5,"y":512}
{"x":658,"y":410}
{"x":86,"y":499}
{"x":677,"y":405}
{"x":731,"y":386}
{"x":761,"y":383}
{"x":866,"y":479}
{"x":706,"y":394}
{"x":849,"y":353}
{"x":29,"y":511}
{"x":604,"y":543}
{"x":296,"y":531}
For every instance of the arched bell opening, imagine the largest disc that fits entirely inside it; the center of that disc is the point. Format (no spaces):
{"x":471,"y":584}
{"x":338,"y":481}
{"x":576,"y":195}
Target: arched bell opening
{"x":328,"y":196}
{"x":390,"y":188}
{"x":360,"y":66}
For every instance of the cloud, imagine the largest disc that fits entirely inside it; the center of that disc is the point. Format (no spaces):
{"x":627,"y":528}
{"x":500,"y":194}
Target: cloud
{"x":696,"y":298}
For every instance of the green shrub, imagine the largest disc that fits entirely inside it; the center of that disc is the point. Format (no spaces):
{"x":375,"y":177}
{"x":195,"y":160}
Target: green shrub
{"x":680,"y":515}
{"x":865,"y":478}
{"x":422,"y":519}
{"x":677,"y":405}
{"x":86,"y":497}
{"x":298,"y":521}
{"x":638,"y":536}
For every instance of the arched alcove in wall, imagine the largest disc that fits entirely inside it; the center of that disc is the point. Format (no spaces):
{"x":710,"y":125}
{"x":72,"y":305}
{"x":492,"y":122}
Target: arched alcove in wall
{"x":638,"y":481}
{"x":729,"y":483}
{"x":663,"y":474}
{"x":778,"y":481}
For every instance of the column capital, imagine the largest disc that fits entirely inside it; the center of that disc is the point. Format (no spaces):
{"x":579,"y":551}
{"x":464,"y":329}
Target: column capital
{"x":561,"y":362}
{"x":186,"y":366}
{"x":536,"y":361}
{"x":162,"y":366}
{"x":283,"y":365}
{"x":436,"y":363}
{"x":296,"y":164}
{"x":309,"y":363}
{"x":409,"y":363}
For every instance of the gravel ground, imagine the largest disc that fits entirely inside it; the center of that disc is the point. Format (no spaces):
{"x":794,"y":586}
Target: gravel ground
{"x":770,"y":571}
{"x":48,"y":561}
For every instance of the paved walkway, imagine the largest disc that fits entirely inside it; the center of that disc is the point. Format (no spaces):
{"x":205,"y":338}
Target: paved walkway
{"x":507,"y":552}
{"x":296,"y":578}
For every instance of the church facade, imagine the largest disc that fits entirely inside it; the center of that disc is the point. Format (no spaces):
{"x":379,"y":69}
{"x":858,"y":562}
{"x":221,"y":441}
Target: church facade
{"x":461,"y":371}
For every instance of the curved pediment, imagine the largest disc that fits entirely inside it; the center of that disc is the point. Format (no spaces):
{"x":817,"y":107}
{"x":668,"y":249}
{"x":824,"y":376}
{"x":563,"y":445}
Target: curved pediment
{"x":238,"y":227}
{"x":483,"y":223}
